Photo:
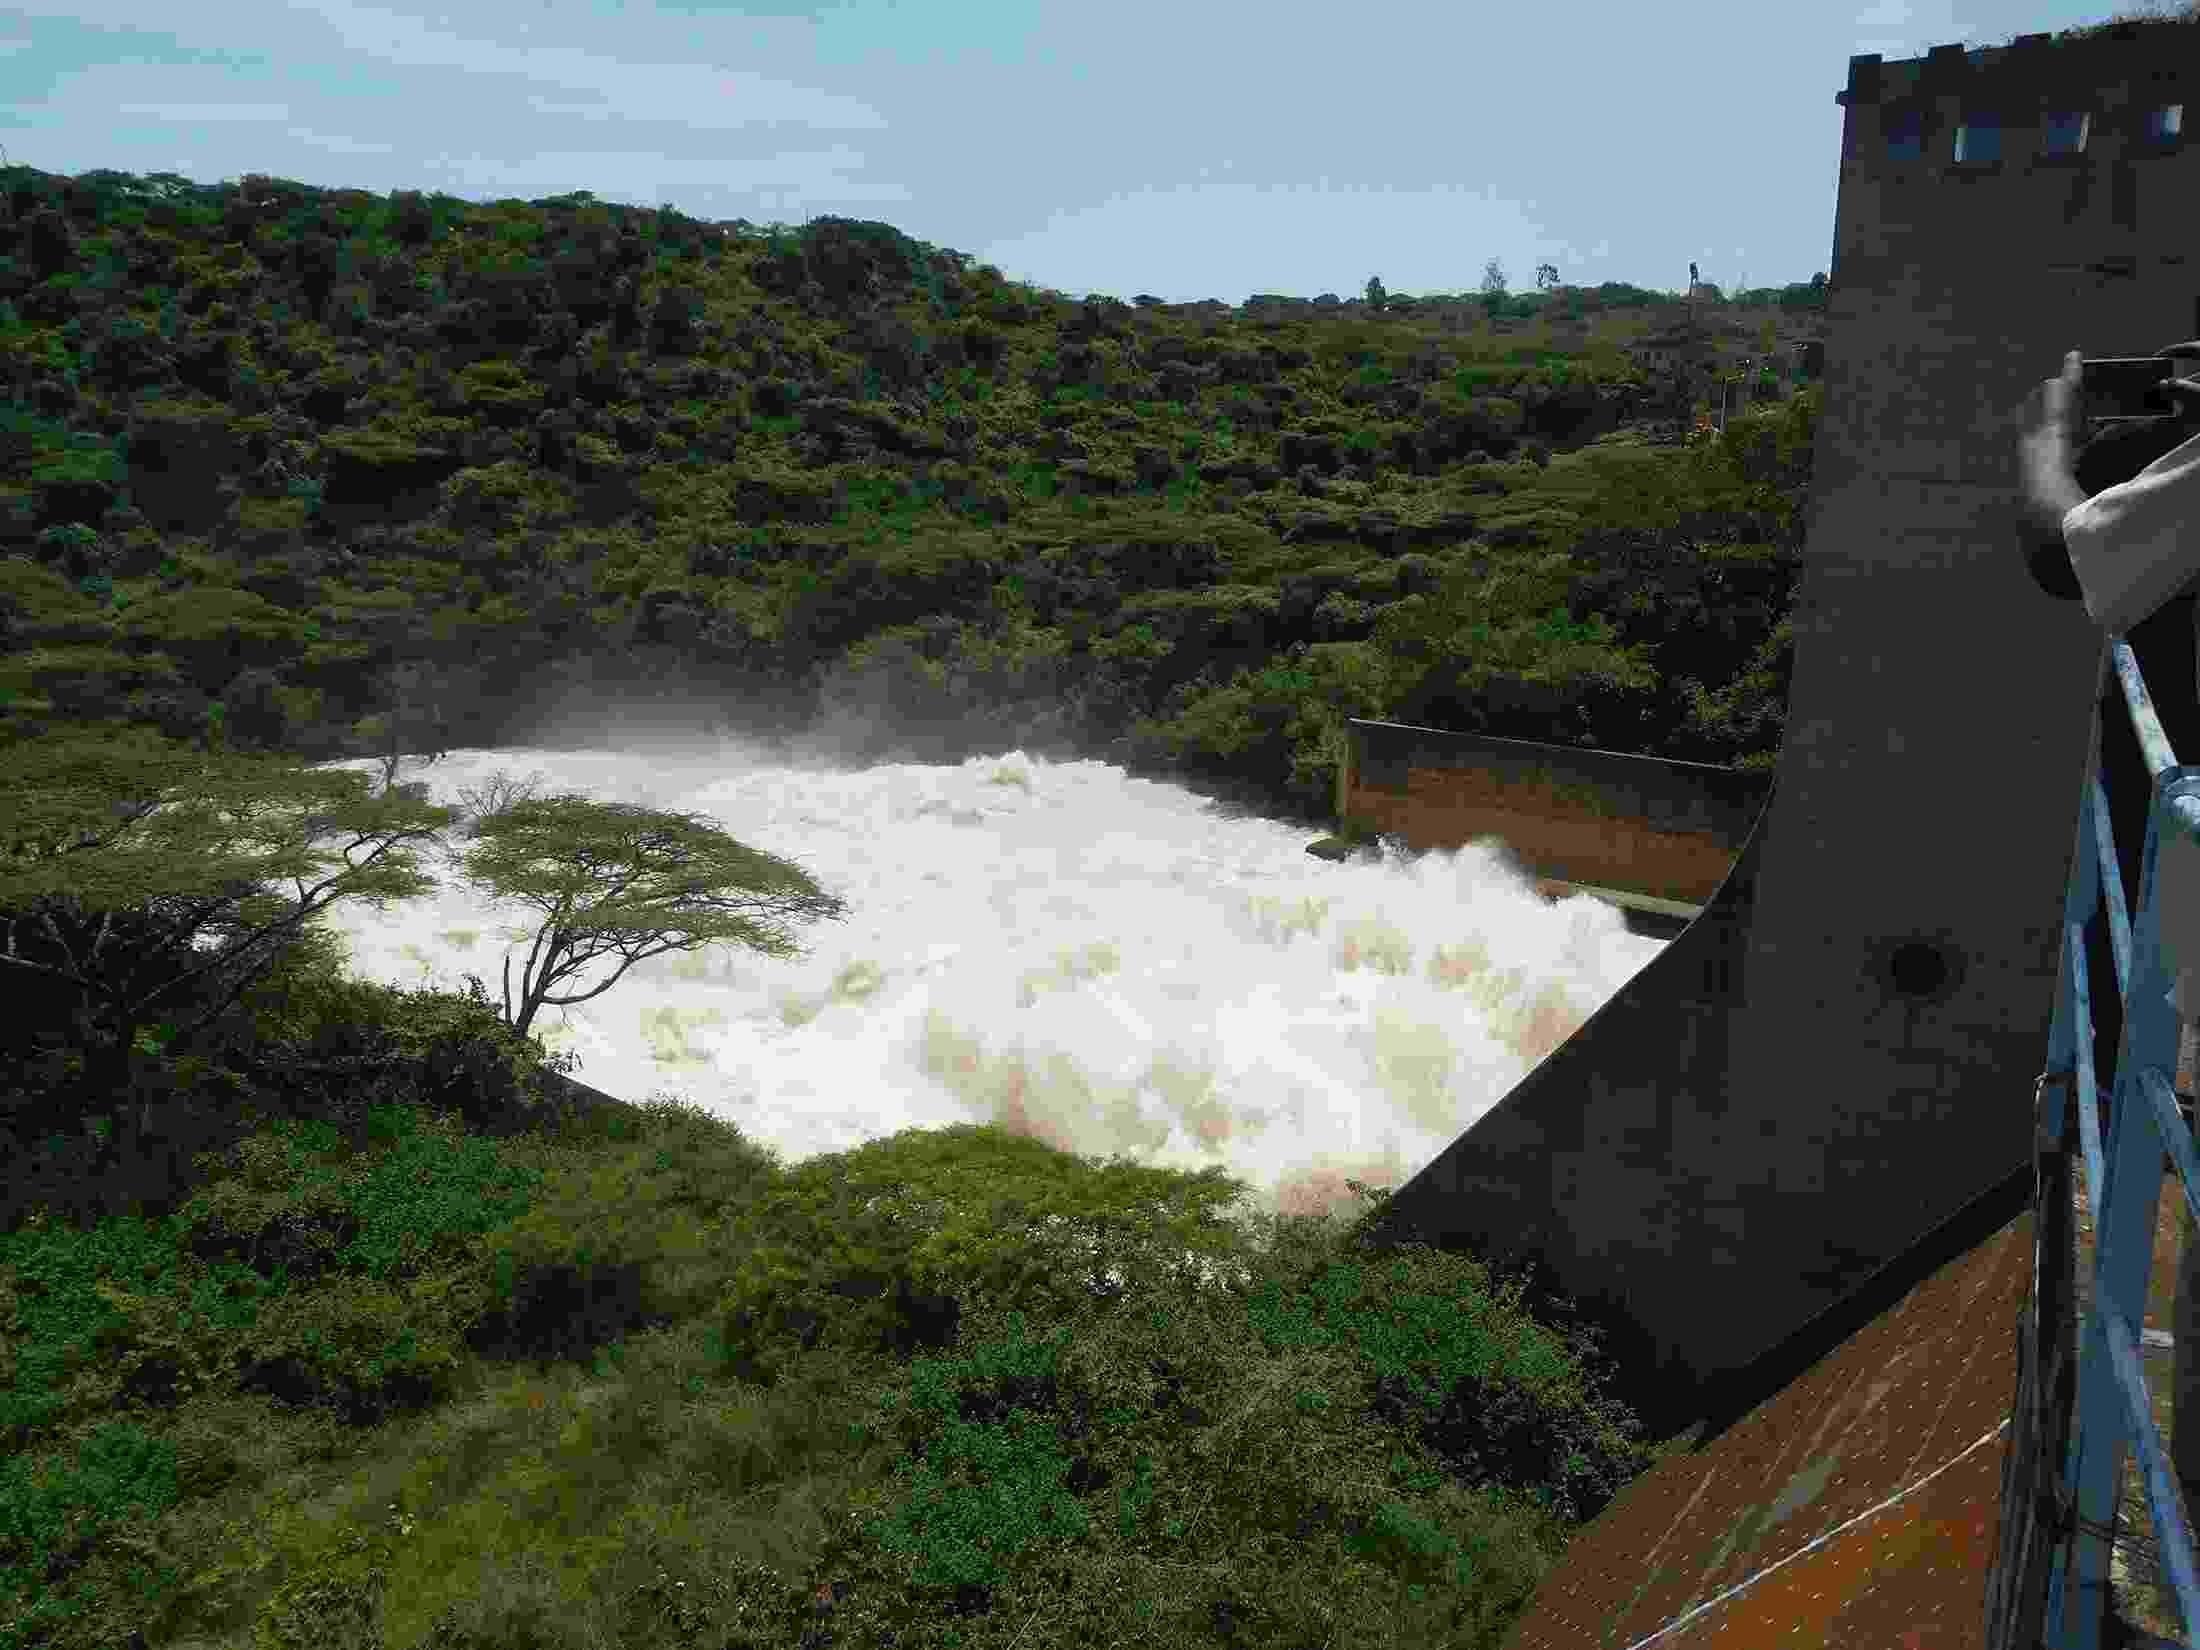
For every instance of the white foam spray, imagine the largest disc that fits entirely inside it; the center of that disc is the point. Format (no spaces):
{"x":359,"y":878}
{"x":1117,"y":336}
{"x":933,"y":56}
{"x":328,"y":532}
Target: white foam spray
{"x":1106,"y":963}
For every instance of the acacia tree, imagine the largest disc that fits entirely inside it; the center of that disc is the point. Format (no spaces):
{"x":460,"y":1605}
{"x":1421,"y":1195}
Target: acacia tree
{"x":618,"y":878}
{"x":120,"y":852}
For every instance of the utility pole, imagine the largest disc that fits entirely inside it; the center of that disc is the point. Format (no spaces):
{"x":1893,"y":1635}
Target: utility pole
{"x":1692,"y":362}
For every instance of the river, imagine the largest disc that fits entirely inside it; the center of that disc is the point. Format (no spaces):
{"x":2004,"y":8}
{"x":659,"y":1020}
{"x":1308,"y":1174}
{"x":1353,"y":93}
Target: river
{"x":1108,"y":963}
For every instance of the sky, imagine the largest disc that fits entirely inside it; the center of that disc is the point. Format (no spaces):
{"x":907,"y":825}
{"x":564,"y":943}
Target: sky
{"x":1210,"y":149}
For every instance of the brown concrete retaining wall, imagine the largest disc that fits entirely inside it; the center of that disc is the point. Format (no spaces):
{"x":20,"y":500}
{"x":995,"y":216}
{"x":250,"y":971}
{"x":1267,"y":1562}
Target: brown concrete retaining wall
{"x":1636,"y":824}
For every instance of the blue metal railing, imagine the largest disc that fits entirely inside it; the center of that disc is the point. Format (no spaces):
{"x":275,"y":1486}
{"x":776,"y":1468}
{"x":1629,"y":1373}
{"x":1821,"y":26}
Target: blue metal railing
{"x":2123,"y":1182}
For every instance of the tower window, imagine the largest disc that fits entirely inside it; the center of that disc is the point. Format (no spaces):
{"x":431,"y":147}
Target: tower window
{"x":1906,"y":136}
{"x":2166,"y":122}
{"x":1978,"y":140}
{"x":2066,"y":134}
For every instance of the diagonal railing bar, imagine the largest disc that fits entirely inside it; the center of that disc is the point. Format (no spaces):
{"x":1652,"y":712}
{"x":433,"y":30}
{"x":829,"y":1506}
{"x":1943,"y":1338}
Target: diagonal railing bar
{"x":2153,"y":742}
{"x":2123,"y":1182}
{"x":2119,"y":920}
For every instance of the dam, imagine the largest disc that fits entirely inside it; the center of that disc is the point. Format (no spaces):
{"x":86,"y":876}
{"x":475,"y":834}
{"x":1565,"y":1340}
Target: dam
{"x":1652,"y":836}
{"x":1821,"y":1098}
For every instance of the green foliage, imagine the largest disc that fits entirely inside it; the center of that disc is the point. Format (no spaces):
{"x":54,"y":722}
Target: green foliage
{"x":131,"y":823}
{"x":703,"y":1436}
{"x":57,"y":543}
{"x":680,"y":882}
{"x":1744,"y":719}
{"x":1289,"y":716}
{"x":86,"y":460}
{"x":119,"y":1477}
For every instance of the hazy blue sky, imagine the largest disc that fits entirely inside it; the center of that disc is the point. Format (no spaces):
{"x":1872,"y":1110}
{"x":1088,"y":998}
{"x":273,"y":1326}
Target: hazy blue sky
{"x":1199,"y":149}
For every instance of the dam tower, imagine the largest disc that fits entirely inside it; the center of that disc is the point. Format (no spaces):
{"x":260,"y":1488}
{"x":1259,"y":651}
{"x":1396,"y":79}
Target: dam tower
{"x":1838,"y":1053}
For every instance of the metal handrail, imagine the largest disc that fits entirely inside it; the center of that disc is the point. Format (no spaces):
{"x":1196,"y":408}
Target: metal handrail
{"x":2123,"y":1182}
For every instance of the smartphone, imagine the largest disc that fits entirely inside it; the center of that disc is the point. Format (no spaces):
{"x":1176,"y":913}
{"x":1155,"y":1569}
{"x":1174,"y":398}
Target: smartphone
{"x":2128,"y":386}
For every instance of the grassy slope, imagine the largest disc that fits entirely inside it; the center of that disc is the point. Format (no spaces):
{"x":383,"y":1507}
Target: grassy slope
{"x":305,"y":1413}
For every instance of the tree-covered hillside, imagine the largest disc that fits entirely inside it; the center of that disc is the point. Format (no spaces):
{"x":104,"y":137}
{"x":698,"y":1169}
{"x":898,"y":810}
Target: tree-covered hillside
{"x":304,"y":470}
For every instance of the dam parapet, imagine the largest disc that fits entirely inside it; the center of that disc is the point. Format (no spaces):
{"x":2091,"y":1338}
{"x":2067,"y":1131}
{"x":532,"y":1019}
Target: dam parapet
{"x":1654,"y":836}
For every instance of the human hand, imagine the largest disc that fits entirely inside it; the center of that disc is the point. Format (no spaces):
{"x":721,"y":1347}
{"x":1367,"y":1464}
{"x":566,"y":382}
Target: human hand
{"x":2054,"y":419}
{"x":2052,"y":423}
{"x":2047,"y":446}
{"x":2184,"y":391}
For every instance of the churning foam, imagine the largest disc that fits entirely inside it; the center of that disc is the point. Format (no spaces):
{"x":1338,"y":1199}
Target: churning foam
{"x":1105,"y":963}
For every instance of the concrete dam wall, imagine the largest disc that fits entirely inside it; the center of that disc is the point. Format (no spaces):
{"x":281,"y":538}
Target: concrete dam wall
{"x":1605,"y":1167}
{"x":1656,"y":836}
{"x":1838,"y":1053}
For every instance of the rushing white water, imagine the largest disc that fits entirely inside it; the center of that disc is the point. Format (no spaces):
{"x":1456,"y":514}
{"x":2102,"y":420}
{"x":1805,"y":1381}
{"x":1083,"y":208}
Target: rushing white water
{"x":1106,"y":963}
